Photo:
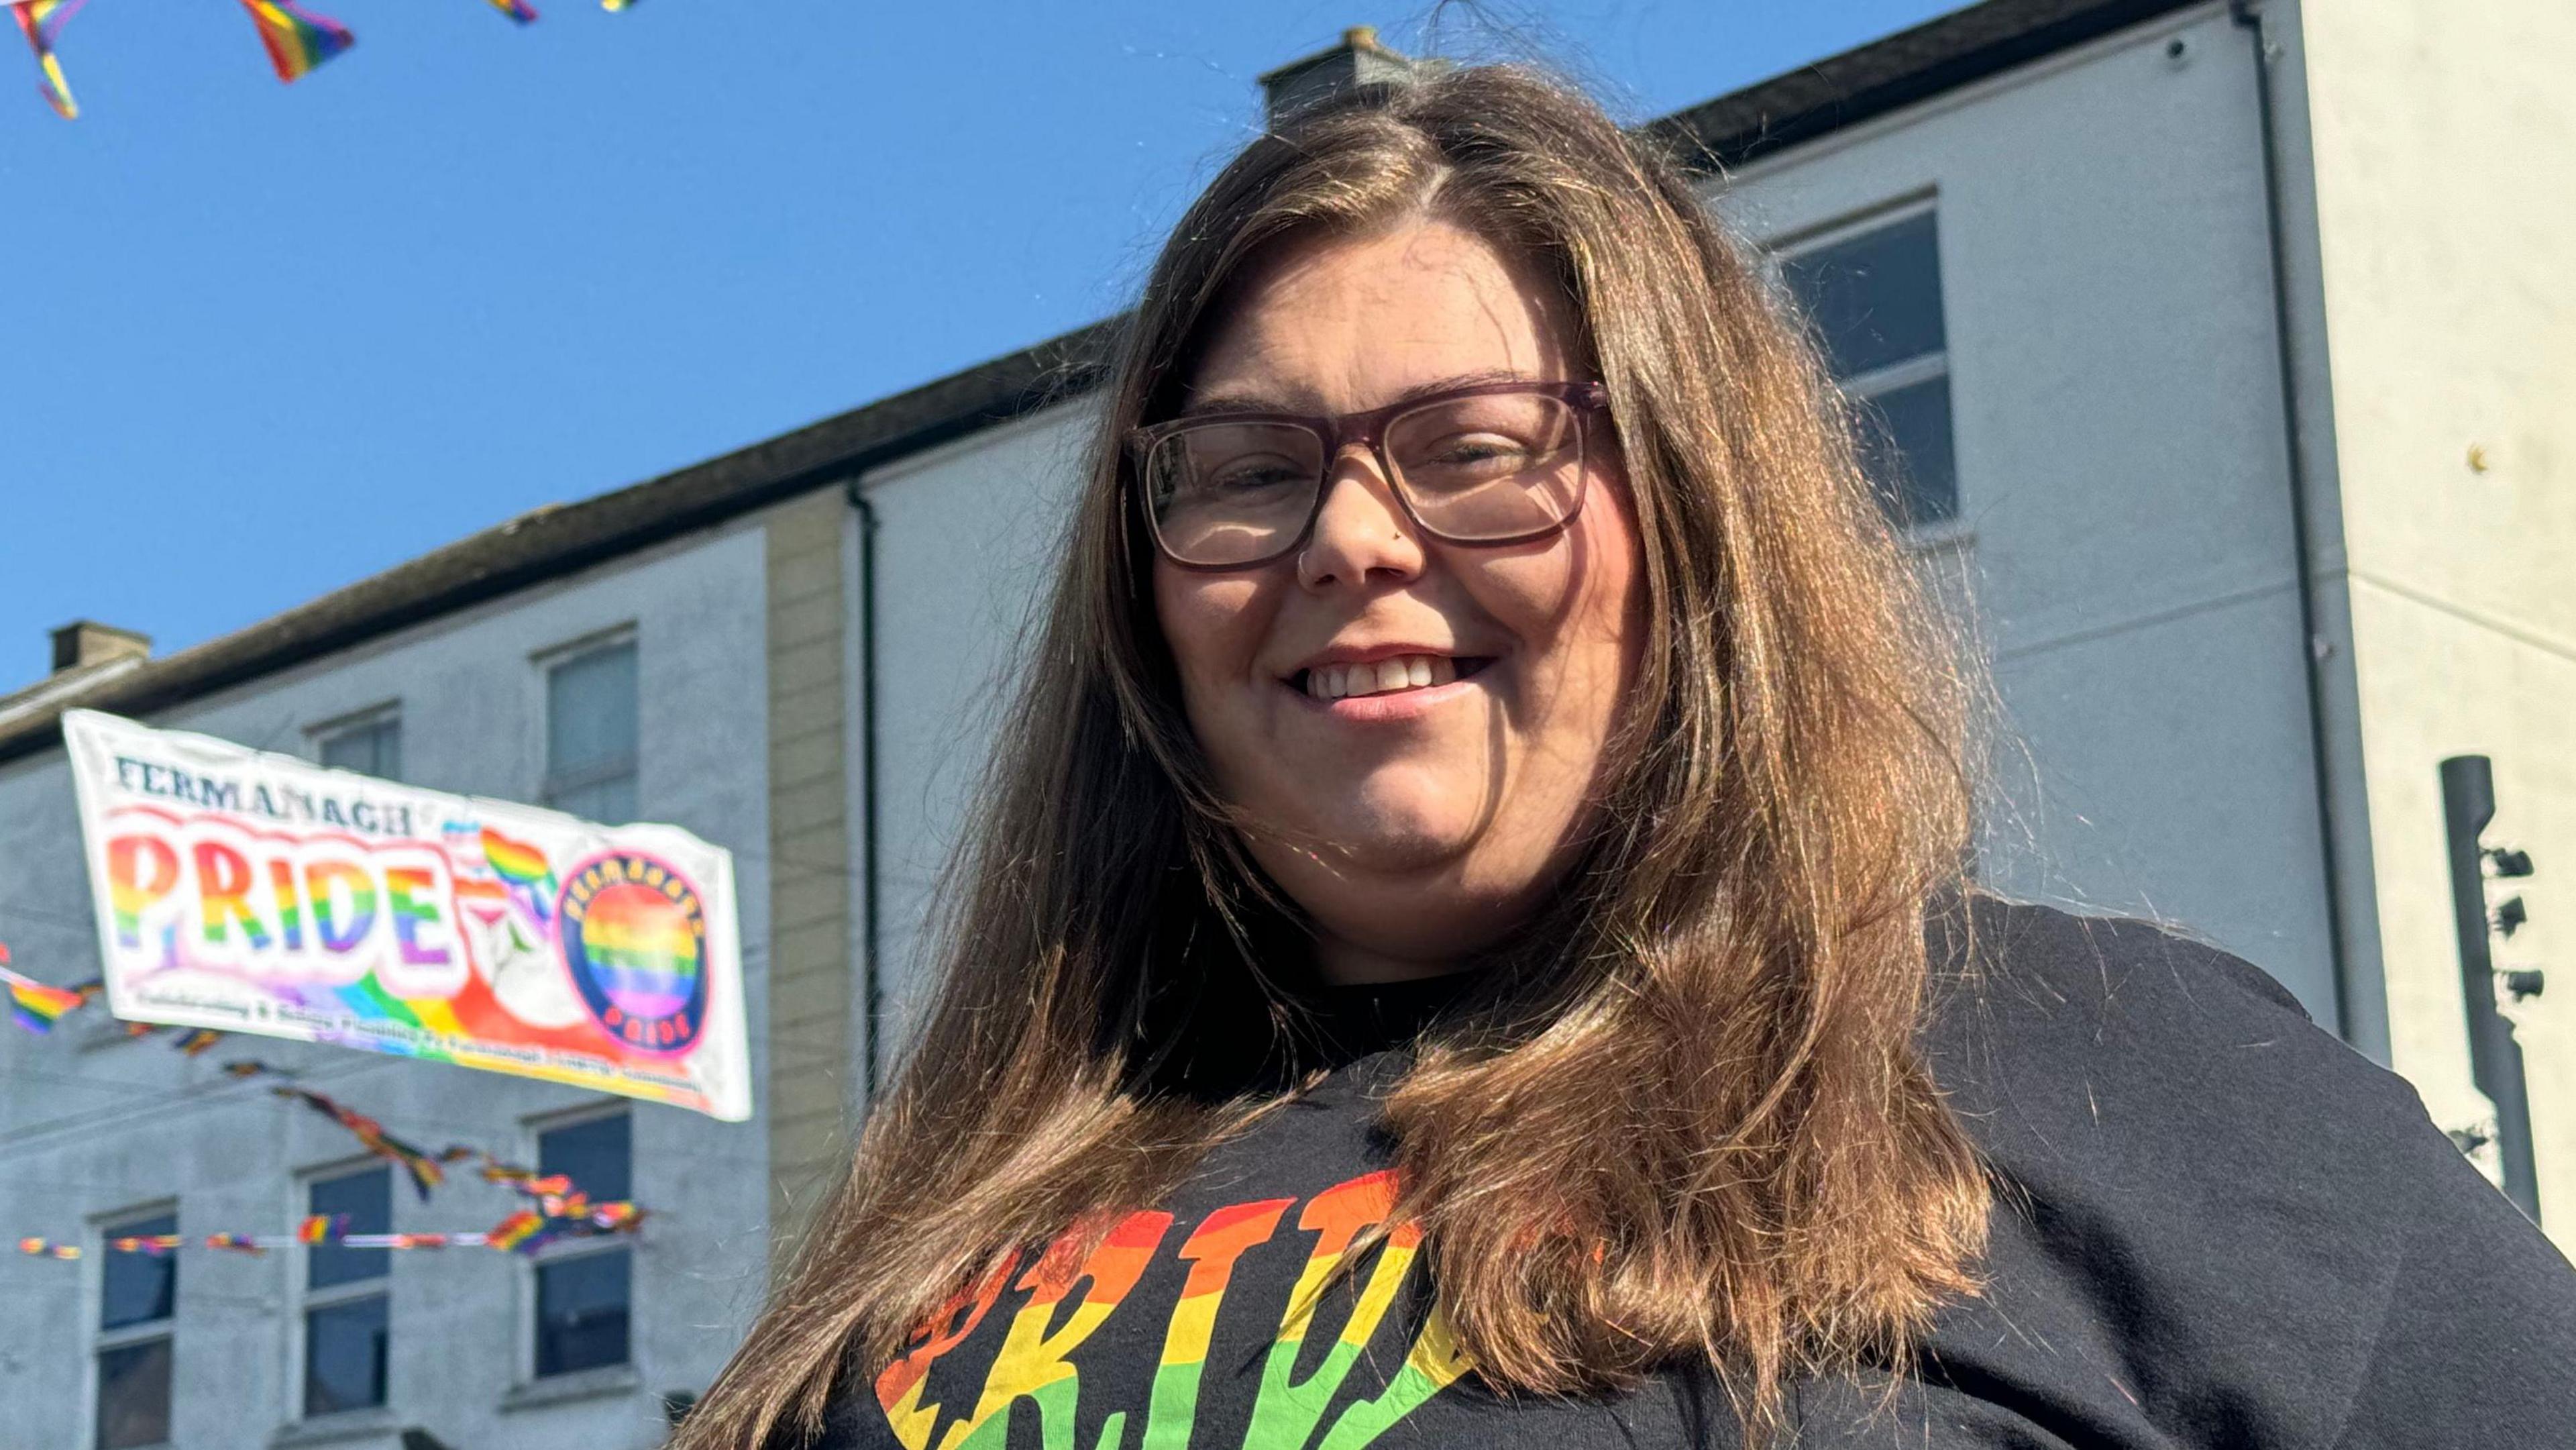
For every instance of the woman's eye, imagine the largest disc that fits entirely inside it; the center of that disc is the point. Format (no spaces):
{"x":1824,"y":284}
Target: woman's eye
{"x":1251,"y":475}
{"x":1472,"y":450}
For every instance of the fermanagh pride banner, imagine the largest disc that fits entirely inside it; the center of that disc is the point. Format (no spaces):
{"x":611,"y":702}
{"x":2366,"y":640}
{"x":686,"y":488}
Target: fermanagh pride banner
{"x":260,"y":893}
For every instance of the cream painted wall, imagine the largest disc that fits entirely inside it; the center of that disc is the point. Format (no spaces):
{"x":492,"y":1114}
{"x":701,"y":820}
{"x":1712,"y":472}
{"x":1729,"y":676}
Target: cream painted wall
{"x":2441,"y":136}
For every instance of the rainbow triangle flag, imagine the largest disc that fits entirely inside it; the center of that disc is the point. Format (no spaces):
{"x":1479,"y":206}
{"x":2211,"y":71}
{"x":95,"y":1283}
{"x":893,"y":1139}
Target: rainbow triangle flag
{"x":518,"y":10}
{"x":36,"y":1006}
{"x":297,"y":39}
{"x":41,"y":21}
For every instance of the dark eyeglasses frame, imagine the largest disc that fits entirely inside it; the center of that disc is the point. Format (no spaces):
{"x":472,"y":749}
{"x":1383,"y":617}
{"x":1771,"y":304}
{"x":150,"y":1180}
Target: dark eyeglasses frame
{"x":1340,"y":431}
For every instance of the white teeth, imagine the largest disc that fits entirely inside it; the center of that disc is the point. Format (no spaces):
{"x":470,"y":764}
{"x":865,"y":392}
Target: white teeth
{"x":1405,"y":672}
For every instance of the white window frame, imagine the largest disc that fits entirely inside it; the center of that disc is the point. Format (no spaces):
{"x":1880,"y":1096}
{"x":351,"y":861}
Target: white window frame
{"x":575,"y":1248}
{"x":1867,"y":387}
{"x":306,"y":1298}
{"x":102,"y":1341}
{"x":547,"y":661}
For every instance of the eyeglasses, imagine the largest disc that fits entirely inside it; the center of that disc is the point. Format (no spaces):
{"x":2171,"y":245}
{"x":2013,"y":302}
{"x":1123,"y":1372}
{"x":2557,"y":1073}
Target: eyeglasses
{"x":1498,"y":463}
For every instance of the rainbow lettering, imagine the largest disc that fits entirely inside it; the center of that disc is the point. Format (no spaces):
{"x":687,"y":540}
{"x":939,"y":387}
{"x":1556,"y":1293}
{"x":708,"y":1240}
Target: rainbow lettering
{"x":1035,"y":1368}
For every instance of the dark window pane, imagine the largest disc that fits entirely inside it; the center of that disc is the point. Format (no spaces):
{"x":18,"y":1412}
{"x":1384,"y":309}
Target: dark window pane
{"x":596,"y":1155}
{"x":581,"y":1311}
{"x":1905,"y":447}
{"x":590,"y":712}
{"x":1874,"y":299}
{"x":134,"y":1395}
{"x":367,"y":1197}
{"x":369,"y":750}
{"x":344,"y":1356}
{"x":610,"y":801}
{"x":138,"y":1288}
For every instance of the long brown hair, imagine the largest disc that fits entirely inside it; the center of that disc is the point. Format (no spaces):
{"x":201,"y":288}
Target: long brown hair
{"x":1698,"y":1129}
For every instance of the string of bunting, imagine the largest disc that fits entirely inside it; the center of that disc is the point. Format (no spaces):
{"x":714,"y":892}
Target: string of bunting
{"x":523,"y":1232}
{"x":560,"y":1208}
{"x":296,"y":38}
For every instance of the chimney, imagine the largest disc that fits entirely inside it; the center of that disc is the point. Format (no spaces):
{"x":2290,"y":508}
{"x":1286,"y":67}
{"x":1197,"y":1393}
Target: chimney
{"x":1360,"y":60}
{"x":86,"y":642}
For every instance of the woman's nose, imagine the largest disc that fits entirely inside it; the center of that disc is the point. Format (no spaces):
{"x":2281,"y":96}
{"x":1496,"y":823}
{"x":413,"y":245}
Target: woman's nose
{"x":1361,"y":530}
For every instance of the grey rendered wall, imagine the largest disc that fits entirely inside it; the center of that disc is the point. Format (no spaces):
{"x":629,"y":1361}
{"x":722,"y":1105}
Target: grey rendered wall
{"x":2125,"y":505}
{"x":90,"y":1128}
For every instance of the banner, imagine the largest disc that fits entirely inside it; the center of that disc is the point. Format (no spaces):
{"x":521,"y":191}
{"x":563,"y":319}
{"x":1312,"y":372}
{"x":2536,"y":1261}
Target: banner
{"x":260,"y":893}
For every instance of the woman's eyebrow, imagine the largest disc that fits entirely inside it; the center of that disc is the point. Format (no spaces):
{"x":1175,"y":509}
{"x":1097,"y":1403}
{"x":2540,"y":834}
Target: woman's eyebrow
{"x":1245,"y":400}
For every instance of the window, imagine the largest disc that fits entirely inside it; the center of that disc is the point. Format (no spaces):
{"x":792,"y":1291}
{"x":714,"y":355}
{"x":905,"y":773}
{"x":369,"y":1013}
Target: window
{"x":1874,"y":298}
{"x":138,"y":1294}
{"x":345,"y":1320}
{"x":590,"y":734}
{"x":585,"y":1285}
{"x":370,"y":746}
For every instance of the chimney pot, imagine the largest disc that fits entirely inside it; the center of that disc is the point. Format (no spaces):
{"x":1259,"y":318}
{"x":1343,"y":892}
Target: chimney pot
{"x":1360,"y":60}
{"x":85,"y":642}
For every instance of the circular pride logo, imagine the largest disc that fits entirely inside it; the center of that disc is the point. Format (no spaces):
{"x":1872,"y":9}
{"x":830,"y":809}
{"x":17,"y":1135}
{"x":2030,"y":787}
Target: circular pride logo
{"x":634,"y":938}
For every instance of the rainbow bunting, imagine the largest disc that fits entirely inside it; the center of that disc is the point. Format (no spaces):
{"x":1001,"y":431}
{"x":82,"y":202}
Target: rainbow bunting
{"x":40,"y":21}
{"x":322,"y":1228}
{"x":153,"y":1244}
{"x":196,"y":1040}
{"x":522,"y":1230}
{"x":518,"y":10}
{"x":48,"y":1249}
{"x":297,"y":39}
{"x":37,"y":1006}
{"x":238,"y":1243}
{"x":424,"y":1170}
{"x":613,"y":6}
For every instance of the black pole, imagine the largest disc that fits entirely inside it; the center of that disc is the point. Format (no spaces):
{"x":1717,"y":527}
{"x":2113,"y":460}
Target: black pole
{"x":2495,"y":1059}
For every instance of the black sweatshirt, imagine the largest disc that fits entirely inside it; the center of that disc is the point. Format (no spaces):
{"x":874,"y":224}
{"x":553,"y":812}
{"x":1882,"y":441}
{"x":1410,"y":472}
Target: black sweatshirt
{"x":2218,"y":1226}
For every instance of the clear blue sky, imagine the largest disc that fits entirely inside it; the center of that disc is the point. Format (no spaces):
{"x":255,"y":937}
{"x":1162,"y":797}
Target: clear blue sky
{"x":260,"y":341}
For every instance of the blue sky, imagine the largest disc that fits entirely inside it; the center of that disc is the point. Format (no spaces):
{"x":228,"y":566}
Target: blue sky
{"x":264,"y":340}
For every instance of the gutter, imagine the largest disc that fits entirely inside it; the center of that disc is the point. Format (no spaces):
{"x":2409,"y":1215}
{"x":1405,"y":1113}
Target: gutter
{"x":871,"y":981}
{"x":2371,"y":1038}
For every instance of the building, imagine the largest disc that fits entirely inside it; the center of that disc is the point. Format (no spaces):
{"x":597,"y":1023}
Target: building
{"x":2222,"y":350}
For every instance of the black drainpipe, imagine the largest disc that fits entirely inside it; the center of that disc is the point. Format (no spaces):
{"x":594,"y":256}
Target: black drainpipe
{"x":870,"y":986}
{"x":2315,"y":647}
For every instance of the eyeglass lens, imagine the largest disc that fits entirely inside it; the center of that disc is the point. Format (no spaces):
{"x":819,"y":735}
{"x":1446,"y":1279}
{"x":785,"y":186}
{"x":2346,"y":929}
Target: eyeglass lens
{"x":1487,"y":468}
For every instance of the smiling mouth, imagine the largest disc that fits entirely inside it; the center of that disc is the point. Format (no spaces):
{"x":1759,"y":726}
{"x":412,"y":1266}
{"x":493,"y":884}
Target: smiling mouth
{"x":1384,"y":677}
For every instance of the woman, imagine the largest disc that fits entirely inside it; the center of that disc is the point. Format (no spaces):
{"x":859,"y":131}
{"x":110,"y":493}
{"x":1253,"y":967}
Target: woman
{"x":1465,"y":943}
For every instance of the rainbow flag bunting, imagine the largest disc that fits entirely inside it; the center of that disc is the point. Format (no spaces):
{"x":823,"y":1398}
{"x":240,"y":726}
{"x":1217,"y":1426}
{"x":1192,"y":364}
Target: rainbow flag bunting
{"x":613,"y":6}
{"x":37,"y":1006}
{"x":238,"y":1243}
{"x":518,"y":10}
{"x":521,"y":1230}
{"x":424,"y":1169}
{"x":196,"y":1040}
{"x":322,"y":1228}
{"x":48,"y":1249}
{"x":40,"y":21}
{"x":297,"y":39}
